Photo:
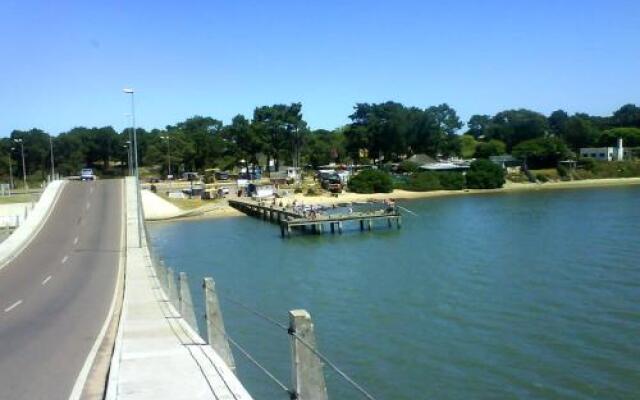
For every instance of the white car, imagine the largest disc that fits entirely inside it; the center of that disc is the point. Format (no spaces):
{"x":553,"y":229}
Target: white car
{"x":87,"y":175}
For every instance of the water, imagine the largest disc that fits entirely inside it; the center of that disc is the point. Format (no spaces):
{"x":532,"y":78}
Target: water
{"x":528,"y":295}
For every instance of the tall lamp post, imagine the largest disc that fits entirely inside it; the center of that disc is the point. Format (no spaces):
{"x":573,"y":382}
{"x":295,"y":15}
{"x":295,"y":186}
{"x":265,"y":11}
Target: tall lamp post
{"x":53,"y":170}
{"x":24,"y":168}
{"x":169,"y":175}
{"x":11,"y":186}
{"x":135,"y":163}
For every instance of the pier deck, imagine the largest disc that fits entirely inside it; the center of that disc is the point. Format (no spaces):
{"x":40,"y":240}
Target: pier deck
{"x":288,"y":218}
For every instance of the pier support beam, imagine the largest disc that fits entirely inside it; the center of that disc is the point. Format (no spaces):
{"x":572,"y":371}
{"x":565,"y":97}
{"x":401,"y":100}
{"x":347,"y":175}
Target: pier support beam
{"x":333,"y":228}
{"x":369,"y":222}
{"x":186,"y":302}
{"x":307,"y":376}
{"x":361,"y":225}
{"x":216,"y":334}
{"x":340,"y":227}
{"x":399,"y":222}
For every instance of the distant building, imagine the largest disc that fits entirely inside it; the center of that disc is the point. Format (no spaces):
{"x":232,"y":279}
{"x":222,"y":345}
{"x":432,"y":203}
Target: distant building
{"x":618,"y":153}
{"x":508,"y":162}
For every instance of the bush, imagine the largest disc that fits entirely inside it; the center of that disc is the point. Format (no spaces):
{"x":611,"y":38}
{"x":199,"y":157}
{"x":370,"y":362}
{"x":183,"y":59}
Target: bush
{"x":423,"y":182}
{"x":371,"y":181}
{"x":563,"y":171}
{"x":408,"y":166}
{"x":542,"y":178}
{"x":484,"y":174}
{"x":451,"y":180}
{"x":312,"y":192}
{"x":297,"y":190}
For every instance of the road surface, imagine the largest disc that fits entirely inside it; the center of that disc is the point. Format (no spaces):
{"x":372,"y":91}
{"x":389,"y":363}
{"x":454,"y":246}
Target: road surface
{"x":55,"y":296}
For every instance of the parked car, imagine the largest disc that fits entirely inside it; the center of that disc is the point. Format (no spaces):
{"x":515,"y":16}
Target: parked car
{"x":222,"y":176}
{"x":86,"y":174}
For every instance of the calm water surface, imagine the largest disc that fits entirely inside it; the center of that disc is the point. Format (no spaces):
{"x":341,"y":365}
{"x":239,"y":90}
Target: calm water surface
{"x":530,"y":295}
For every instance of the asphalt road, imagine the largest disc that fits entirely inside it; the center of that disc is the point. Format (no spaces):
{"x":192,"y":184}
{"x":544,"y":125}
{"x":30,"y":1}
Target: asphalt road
{"x":55,"y":296}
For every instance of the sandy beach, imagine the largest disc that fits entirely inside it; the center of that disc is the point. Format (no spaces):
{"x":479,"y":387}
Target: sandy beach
{"x":164,"y":210}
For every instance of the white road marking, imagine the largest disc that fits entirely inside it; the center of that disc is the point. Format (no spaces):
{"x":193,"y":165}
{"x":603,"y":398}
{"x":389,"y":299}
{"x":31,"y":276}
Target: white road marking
{"x":75,"y":241}
{"x":91,"y":190}
{"x":64,"y":259}
{"x":47,"y":279}
{"x":14,"y":305}
{"x":88,"y":205}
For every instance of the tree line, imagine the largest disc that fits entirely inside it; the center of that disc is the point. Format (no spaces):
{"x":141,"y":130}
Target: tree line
{"x":279,"y":135}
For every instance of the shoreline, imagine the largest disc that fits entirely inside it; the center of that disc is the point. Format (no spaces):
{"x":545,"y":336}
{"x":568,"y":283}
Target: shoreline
{"x":225,"y":211}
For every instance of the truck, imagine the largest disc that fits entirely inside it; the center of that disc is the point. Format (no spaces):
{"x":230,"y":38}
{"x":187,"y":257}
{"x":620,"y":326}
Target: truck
{"x":86,"y":174}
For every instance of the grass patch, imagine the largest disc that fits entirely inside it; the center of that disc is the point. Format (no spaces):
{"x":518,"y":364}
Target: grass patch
{"x":16,"y":198}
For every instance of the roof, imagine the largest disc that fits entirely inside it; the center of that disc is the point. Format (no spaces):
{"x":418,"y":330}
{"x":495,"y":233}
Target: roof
{"x":503,"y":158}
{"x":421,"y":159}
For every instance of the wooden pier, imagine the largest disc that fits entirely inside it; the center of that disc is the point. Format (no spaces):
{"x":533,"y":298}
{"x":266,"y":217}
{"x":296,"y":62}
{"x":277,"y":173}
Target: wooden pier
{"x":289,"y":219}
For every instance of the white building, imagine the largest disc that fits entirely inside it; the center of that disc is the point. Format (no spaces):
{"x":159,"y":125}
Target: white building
{"x":606,"y":153}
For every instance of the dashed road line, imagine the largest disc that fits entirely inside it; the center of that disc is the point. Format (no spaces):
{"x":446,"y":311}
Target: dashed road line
{"x":75,"y":241}
{"x":88,"y":205}
{"x":64,"y":259}
{"x":14,"y":305}
{"x":47,"y":279}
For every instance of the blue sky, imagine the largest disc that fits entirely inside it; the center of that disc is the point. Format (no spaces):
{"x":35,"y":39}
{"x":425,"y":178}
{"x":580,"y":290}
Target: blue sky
{"x":64,"y":63}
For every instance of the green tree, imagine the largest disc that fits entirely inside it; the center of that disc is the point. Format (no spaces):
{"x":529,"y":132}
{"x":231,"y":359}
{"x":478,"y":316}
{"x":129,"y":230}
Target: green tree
{"x":483,"y":174}
{"x":542,"y":152}
{"x":630,"y":137}
{"x":627,"y":115}
{"x":493,"y":147}
{"x":371,"y":181}
{"x":579,"y":132}
{"x":468,"y":146}
{"x":515,"y":126}
{"x":478,"y":125}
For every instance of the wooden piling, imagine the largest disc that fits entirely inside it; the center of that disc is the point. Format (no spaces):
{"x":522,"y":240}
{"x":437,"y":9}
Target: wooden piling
{"x":307,"y":376}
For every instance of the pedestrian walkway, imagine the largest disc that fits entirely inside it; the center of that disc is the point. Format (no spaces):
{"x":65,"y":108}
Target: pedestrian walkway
{"x":157,"y":354}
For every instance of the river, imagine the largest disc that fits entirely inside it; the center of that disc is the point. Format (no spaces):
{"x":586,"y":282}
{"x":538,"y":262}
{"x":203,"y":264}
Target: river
{"x":518,"y":295}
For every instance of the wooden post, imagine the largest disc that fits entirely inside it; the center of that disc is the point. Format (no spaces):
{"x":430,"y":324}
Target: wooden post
{"x":340,"y":227}
{"x":361,"y":225}
{"x":281,"y":229}
{"x":186,"y":303}
{"x":369,"y":224}
{"x":333,"y":228}
{"x":307,"y":378}
{"x":216,"y":334}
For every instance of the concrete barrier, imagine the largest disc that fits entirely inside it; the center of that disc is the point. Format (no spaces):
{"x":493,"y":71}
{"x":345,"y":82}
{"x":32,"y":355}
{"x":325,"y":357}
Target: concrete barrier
{"x":20,"y":239}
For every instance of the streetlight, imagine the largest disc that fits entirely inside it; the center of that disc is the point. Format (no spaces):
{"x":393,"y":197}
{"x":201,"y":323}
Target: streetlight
{"x":11,"y":186}
{"x":135,"y":162}
{"x":53,"y":171}
{"x":168,"y":139}
{"x":127,"y":145}
{"x":24,"y":168}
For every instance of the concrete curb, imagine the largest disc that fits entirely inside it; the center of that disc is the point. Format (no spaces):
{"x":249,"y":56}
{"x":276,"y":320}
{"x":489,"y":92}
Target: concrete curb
{"x":20,"y":239}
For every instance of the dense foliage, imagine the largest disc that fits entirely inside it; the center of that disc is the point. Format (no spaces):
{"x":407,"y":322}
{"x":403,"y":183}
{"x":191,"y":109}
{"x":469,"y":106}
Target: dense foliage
{"x":377,"y":133}
{"x":483,"y":174}
{"x":428,"y":180}
{"x":371,"y":181}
